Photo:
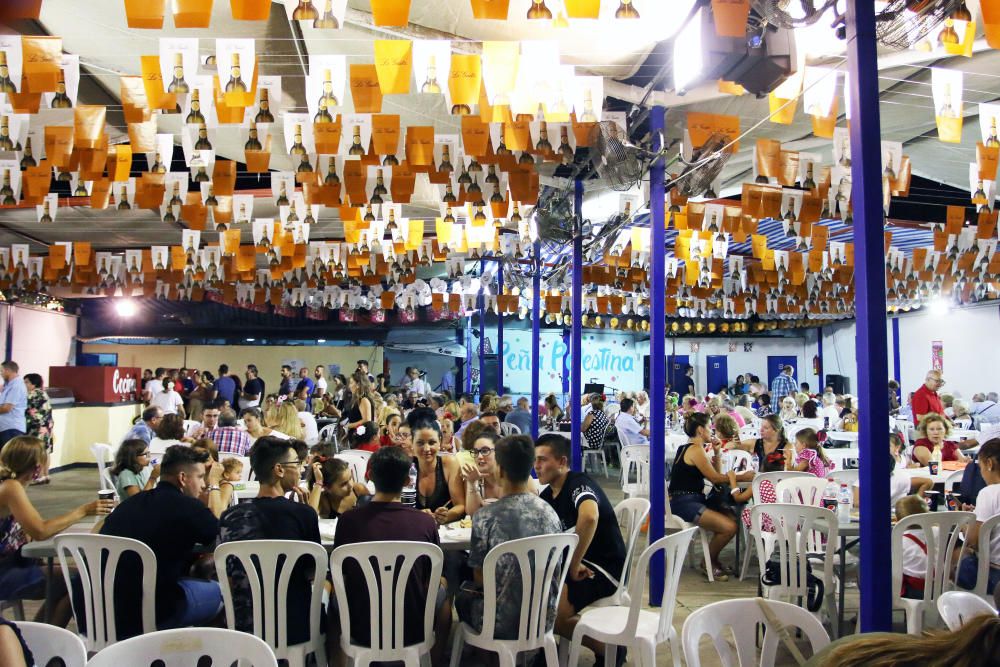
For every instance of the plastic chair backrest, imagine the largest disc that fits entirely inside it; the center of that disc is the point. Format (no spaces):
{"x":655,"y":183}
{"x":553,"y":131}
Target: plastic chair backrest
{"x":247,"y":472}
{"x":631,"y":514}
{"x":509,"y":429}
{"x":96,"y":558}
{"x":636,"y":457}
{"x":801,"y":490}
{"x":955,"y":477}
{"x":386,"y":569}
{"x":957,"y":607}
{"x":749,"y":432}
{"x":987,"y":533}
{"x":940,"y":533}
{"x":103,"y":454}
{"x":674,"y":548}
{"x":849,"y":477}
{"x":185,"y":647}
{"x":736,"y":459}
{"x":798,"y":533}
{"x":357,"y":459}
{"x":774,"y":478}
{"x":743,"y":617}
{"x":543,"y":562}
{"x":328,"y":433}
{"x":49,"y":641}
{"x":268,"y":565}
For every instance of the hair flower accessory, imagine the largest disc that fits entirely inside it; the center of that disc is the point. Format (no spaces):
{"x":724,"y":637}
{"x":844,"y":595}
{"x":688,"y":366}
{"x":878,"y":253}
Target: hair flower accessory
{"x":361,"y":430}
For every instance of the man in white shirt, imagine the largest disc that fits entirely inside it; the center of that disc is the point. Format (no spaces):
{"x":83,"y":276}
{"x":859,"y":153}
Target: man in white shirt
{"x":829,"y":413}
{"x":414,"y":383}
{"x":167,"y":400}
{"x":629,"y":429}
{"x":155,"y":385}
{"x":209,"y":420}
{"x":320,"y":375}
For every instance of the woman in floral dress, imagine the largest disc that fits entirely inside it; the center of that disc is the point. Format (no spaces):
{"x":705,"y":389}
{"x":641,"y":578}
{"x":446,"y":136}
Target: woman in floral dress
{"x":38,"y":418}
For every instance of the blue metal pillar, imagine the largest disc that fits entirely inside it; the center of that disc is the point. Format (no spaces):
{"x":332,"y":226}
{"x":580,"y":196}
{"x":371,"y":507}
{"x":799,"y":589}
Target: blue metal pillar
{"x":499,"y":331}
{"x":896,"y":365}
{"x":536,"y":334}
{"x":468,"y":354}
{"x":565,"y":363}
{"x":819,"y":356}
{"x":481,"y":305}
{"x":870,"y":305}
{"x":576,"y":333}
{"x":657,"y":356}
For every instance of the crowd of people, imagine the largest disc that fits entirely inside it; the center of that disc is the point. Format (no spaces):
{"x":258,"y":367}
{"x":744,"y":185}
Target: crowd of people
{"x":460,"y":458}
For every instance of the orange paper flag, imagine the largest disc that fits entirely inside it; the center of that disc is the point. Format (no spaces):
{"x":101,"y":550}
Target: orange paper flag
{"x":365,"y":90}
{"x":393,"y":64}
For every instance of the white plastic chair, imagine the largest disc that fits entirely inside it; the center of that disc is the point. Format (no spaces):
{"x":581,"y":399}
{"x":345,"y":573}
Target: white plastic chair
{"x":940,"y":533}
{"x":848,"y":477}
{"x":185,"y":647}
{"x":952,"y":479}
{"x":799,"y":532}
{"x":674,"y":522}
{"x":329,"y":434}
{"x":801,"y":490}
{"x":48,"y":642}
{"x":957,"y":607}
{"x":96,"y":559}
{"x":268,"y":565}
{"x":357,"y":459}
{"x":987,"y":532}
{"x":543,"y":562}
{"x":749,"y":432}
{"x":774,"y":478}
{"x":597,"y":456}
{"x":635,"y":458}
{"x":103,"y":454}
{"x":743,"y":616}
{"x":629,"y":625}
{"x":506,"y":428}
{"x":736,"y":459}
{"x":631,"y":514}
{"x":386,"y":568}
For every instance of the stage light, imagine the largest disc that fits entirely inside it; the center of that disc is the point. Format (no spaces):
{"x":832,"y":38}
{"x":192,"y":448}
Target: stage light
{"x":938,"y":307}
{"x":125,"y":308}
{"x":320,"y":340}
{"x":250,"y":340}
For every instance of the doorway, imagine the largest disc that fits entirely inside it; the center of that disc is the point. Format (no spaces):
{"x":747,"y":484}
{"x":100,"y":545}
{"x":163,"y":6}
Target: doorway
{"x":776,"y":363}
{"x":717,"y":372}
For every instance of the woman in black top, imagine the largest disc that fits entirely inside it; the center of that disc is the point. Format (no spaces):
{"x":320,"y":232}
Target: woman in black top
{"x":771,"y":445}
{"x":362,"y":406}
{"x":687,"y":483}
{"x":440,"y":489}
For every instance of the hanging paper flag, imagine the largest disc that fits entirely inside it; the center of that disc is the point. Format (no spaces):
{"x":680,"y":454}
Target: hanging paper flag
{"x":146,"y":13}
{"x":983,"y":190}
{"x":365,"y":91}
{"x":41,"y":58}
{"x":356,"y":134}
{"x":956,"y":35}
{"x":431,"y":64}
{"x":248,"y":10}
{"x":67,"y":84}
{"x":490,"y":9}
{"x":46,"y":211}
{"x":391,"y":12}
{"x":394,"y":65}
{"x":192,"y":13}
{"x":464,"y":81}
{"x":701,"y":126}
{"x":588,"y":98}
{"x":178,"y":63}
{"x":236,"y":63}
{"x":730,"y":17}
{"x":325,"y":86}
{"x":582,"y":9}
{"x":10,"y":64}
{"x":988,"y":149}
{"x":535,"y":83}
{"x":946,"y":85}
{"x":500,"y":65}
{"x":556,"y":108}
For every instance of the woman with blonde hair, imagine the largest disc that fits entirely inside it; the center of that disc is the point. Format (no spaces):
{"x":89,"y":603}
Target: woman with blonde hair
{"x":934,"y":430}
{"x":789,"y":409}
{"x":287,"y":421}
{"x":20,"y":459}
{"x":363,"y":406}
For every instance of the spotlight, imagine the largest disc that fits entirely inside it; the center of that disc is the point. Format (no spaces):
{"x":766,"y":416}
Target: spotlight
{"x":125,"y":308}
{"x":938,"y":307}
{"x":250,"y":340}
{"x":320,"y":340}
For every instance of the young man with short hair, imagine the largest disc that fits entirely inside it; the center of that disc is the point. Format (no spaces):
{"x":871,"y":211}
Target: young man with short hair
{"x":320,"y":374}
{"x":520,"y":416}
{"x":170,"y":520}
{"x":228,"y":438}
{"x":272,"y":516}
{"x":209,"y":421}
{"x":580,"y":503}
{"x":492,"y":420}
{"x":305,"y":387}
{"x":385,"y":518}
{"x":285,"y":388}
{"x":518,"y":513}
{"x":225,"y":386}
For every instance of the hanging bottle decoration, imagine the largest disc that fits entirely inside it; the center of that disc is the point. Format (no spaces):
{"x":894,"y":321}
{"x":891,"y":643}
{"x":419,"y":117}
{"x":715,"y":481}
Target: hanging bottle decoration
{"x":946,"y":85}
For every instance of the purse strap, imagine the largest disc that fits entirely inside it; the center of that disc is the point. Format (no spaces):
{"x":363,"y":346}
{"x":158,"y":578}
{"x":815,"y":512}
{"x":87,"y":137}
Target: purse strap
{"x":771,"y":622}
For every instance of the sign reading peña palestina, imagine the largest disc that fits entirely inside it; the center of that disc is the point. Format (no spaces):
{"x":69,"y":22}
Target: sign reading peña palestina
{"x":609,"y":359}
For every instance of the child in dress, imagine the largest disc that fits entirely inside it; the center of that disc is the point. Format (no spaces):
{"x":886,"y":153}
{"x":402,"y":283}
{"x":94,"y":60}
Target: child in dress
{"x":232,"y":469}
{"x":809,"y":455}
{"x":914,"y":549}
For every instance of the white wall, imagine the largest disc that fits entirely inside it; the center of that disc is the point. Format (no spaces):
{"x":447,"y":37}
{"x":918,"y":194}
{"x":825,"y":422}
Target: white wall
{"x":42,"y":338}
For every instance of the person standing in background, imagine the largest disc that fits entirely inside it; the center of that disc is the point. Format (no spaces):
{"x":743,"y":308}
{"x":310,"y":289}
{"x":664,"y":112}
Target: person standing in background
{"x":320,"y":375}
{"x":926,"y":399}
{"x":253,"y":390}
{"x":225,"y":386}
{"x":38,"y":420}
{"x":285,"y":388}
{"x":783,"y":385}
{"x":13,"y":403}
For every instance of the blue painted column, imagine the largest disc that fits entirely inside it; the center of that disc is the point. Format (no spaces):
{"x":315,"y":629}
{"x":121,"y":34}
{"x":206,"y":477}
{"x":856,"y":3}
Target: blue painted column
{"x":536,"y":334}
{"x":870,"y":304}
{"x":819,"y":354}
{"x":481,"y":306}
{"x":576,"y":333}
{"x":499,"y":331}
{"x":896,"y":365}
{"x":468,"y":354}
{"x":657,"y":357}
{"x":565,"y":363}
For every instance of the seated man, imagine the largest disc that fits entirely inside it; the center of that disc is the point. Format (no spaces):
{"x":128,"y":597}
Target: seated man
{"x":600,"y":555}
{"x":628,"y":426}
{"x":228,"y":437}
{"x":518,"y":513}
{"x":271,"y":516}
{"x":209,"y":421}
{"x":385,"y":518}
{"x":145,"y":429}
{"x":170,"y":520}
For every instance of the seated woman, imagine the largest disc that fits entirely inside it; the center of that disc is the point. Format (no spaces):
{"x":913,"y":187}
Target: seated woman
{"x":132,"y":472}
{"x":810,"y":417}
{"x":553,"y":413}
{"x":170,"y":431}
{"x":364,"y":436}
{"x":961,"y":419}
{"x":20,"y":458}
{"x":987,"y":507}
{"x":481,"y":483}
{"x":770,"y":446}
{"x":440,"y":488}
{"x":687,"y":483}
{"x":789,"y":409}
{"x":254,"y":423}
{"x":595,"y":424}
{"x":286,"y":421}
{"x":934,"y":430}
{"x":449,"y":443}
{"x":332,"y":488}
{"x":914,"y":485}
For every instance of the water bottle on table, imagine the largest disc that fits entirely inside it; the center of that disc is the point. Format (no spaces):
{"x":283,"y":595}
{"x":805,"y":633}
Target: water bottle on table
{"x":844,"y":501}
{"x":409,"y":494}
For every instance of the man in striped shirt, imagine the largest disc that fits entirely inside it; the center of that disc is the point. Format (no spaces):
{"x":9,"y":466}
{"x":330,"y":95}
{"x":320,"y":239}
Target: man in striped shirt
{"x":783,"y":385}
{"x":229,"y":438}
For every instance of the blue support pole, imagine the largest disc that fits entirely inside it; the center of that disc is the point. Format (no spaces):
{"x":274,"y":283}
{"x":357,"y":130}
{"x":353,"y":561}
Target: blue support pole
{"x":536,"y":334}
{"x":657,"y":356}
{"x":870,"y":305}
{"x":896,"y":365}
{"x":481,"y":305}
{"x":499,"y":332}
{"x":468,"y":354}
{"x":576,"y":334}
{"x":819,"y":355}
{"x":565,"y":363}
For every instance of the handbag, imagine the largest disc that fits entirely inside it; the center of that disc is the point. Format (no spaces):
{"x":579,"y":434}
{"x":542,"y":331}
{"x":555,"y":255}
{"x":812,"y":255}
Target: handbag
{"x":720,"y":499}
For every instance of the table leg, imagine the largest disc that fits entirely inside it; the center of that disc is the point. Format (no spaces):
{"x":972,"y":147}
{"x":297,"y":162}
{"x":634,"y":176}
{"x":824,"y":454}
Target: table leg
{"x":49,"y":603}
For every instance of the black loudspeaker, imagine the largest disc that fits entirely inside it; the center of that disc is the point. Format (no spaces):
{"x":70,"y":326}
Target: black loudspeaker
{"x":841,"y":384}
{"x":488,"y":374}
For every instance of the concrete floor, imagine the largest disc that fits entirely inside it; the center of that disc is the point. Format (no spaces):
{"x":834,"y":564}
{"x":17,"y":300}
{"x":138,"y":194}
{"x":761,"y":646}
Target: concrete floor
{"x":74,"y":487}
